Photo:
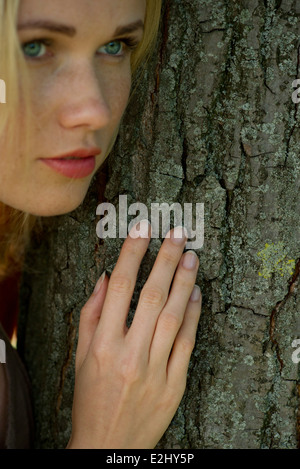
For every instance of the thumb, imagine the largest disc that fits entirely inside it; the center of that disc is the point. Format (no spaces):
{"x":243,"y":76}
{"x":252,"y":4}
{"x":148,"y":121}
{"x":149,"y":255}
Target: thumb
{"x":89,"y":319}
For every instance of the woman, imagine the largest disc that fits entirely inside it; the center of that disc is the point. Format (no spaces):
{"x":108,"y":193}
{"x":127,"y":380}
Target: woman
{"x":68,"y":68}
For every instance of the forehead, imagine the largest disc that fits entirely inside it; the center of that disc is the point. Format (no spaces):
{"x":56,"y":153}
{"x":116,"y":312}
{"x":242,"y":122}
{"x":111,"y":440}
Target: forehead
{"x":84,"y":14}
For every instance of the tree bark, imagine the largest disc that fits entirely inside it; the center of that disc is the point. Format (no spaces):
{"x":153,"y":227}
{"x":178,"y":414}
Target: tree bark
{"x":213,"y":121}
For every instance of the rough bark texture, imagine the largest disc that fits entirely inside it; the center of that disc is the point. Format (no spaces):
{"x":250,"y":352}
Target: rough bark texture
{"x":213,"y":122}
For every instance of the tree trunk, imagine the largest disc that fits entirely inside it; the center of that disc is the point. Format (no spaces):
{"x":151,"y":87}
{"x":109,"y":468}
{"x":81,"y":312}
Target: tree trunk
{"x":214,"y":121}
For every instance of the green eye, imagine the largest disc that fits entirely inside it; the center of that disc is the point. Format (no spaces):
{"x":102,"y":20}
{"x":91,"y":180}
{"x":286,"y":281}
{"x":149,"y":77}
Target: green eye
{"x":33,"y":49}
{"x":113,"y":48}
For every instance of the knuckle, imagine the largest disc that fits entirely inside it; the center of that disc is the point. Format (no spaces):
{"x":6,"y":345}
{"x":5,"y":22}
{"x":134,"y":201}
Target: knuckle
{"x":120,"y":283}
{"x":187,"y":344}
{"x":101,"y":351}
{"x":186,"y":281}
{"x":153,"y":296}
{"x":168,"y":256}
{"x":171,"y":320}
{"x":130,"y":248}
{"x":130,"y":370}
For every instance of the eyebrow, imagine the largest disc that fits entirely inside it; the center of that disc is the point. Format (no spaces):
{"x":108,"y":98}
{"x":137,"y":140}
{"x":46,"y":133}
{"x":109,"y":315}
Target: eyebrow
{"x":71,"y":31}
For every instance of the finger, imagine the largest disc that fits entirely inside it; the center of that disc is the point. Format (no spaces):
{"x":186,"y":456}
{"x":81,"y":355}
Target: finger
{"x":122,"y":281}
{"x":172,"y":316}
{"x":89,"y":319}
{"x":155,"y":291}
{"x":185,"y":341}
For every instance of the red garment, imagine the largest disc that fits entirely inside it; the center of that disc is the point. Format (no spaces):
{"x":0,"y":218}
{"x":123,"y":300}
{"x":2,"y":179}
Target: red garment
{"x":9,"y":304}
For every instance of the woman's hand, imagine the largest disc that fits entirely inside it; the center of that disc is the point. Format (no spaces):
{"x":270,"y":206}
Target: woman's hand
{"x":129,"y":382}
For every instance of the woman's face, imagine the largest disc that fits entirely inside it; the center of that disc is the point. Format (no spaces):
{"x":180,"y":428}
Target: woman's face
{"x":78,"y":54}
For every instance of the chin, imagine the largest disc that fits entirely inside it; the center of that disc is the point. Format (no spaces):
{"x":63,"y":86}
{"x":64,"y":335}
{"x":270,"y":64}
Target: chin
{"x":53,"y":211}
{"x":58,"y":207}
{"x":47,"y":200}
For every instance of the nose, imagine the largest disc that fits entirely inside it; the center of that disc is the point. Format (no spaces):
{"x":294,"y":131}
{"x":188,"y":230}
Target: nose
{"x":84,"y":101}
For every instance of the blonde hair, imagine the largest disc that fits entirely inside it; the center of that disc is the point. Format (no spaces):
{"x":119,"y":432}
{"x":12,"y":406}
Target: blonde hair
{"x":16,"y":226}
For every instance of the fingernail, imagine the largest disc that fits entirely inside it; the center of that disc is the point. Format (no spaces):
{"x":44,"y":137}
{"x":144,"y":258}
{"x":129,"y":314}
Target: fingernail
{"x":99,"y":283}
{"x":178,"y":235}
{"x":140,"y":230}
{"x":190,"y":260}
{"x":196,"y":293}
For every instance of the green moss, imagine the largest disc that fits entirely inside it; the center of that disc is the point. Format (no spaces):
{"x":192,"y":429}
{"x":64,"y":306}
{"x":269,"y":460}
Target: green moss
{"x":274,"y":260}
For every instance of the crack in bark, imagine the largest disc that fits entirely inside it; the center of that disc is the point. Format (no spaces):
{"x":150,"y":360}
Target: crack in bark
{"x":165,"y":33}
{"x":69,"y":351}
{"x":171,"y":175}
{"x":262,"y":154}
{"x":273,"y":316}
{"x":275,"y":312}
{"x":250,"y":309}
{"x":271,"y":333}
{"x":295,"y":112}
{"x":263,"y":62}
{"x":298,"y":418}
{"x":212,"y":30}
{"x":230,"y":195}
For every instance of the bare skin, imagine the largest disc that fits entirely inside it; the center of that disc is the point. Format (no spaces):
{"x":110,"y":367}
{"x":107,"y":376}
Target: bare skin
{"x":129,"y":383}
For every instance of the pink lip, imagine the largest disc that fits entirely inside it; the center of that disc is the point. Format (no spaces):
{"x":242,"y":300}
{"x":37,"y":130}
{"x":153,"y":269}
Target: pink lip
{"x":81,"y":166}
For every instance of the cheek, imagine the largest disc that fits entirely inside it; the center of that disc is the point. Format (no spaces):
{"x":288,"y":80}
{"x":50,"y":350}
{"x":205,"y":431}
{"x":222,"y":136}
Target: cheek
{"x":42,"y":100}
